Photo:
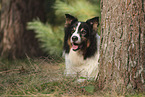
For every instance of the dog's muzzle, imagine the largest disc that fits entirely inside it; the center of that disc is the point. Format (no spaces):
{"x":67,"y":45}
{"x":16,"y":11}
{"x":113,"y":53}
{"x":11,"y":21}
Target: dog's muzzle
{"x":75,"y":41}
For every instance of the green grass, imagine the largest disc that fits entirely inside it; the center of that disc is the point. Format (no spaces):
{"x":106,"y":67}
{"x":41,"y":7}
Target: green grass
{"x":44,"y":77}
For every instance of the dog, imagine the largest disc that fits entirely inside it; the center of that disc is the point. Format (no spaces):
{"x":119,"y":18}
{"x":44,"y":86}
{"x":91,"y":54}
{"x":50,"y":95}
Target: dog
{"x":81,"y":47}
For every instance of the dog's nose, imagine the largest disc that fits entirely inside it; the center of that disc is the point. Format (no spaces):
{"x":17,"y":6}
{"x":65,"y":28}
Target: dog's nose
{"x":74,"y":38}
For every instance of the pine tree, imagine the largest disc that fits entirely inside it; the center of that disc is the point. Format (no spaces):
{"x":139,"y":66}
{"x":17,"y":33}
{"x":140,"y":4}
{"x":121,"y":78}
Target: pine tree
{"x":51,"y":37}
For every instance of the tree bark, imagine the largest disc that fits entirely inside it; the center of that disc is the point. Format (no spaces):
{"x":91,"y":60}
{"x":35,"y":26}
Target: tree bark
{"x":122,"y":53}
{"x":15,"y":40}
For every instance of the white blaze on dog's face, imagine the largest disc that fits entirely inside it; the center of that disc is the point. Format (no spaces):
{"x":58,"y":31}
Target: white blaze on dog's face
{"x":75,"y":38}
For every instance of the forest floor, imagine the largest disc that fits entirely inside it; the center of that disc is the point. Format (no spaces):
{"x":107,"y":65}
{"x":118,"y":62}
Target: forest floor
{"x":44,"y":77}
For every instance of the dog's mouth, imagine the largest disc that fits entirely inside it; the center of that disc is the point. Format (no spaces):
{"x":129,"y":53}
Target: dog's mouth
{"x":76,"y":46}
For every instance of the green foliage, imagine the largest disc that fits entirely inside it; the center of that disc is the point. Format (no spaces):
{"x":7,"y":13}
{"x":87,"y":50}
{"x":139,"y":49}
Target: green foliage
{"x":51,"y":39}
{"x":51,"y":35}
{"x":0,"y":6}
{"x":90,"y":88}
{"x":82,"y":9}
{"x":136,"y":95}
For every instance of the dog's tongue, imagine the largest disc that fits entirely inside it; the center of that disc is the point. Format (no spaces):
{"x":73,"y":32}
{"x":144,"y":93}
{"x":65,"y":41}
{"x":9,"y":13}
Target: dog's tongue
{"x":75,"y":47}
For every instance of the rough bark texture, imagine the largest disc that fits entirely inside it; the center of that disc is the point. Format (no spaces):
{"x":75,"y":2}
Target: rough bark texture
{"x":15,"y":39}
{"x":122,"y":55}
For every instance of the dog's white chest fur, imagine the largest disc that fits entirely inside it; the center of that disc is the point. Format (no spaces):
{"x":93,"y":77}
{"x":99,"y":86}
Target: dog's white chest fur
{"x":76,"y":65}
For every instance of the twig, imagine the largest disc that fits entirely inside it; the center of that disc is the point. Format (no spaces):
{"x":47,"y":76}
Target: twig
{"x":9,"y":71}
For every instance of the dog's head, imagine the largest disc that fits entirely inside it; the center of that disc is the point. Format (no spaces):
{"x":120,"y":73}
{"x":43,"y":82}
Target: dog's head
{"x":79,"y":35}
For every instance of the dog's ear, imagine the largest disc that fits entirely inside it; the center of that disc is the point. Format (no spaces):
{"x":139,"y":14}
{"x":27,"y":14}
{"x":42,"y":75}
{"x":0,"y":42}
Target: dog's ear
{"x":94,"y":22}
{"x":70,"y":19}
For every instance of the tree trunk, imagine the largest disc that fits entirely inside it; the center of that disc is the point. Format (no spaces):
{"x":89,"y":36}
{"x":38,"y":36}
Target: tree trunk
{"x":122,"y":55}
{"x":15,"y":39}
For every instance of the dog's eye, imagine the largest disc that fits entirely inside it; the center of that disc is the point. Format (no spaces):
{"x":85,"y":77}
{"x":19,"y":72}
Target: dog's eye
{"x":83,"y":32}
{"x":73,"y":30}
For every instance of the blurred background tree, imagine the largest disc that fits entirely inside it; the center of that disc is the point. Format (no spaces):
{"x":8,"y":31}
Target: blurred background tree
{"x":51,"y":34}
{"x":15,"y":40}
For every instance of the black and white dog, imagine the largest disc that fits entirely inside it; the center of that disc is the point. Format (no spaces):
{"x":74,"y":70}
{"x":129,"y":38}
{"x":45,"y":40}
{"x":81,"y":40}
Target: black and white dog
{"x":81,"y":47}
